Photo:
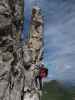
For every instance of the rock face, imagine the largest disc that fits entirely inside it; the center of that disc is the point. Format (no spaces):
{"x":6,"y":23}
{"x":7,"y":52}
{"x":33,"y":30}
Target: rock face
{"x":36,"y":34}
{"x":11,"y":17}
{"x":15,"y":58}
{"x":11,"y":67}
{"x":34,"y":97}
{"x":19,"y":9}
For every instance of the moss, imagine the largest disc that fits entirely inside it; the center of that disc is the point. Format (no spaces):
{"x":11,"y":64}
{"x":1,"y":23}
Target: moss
{"x":21,"y":3}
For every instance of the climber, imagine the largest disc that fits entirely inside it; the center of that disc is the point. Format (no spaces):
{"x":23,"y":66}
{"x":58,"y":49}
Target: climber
{"x":36,"y":75}
{"x":36,"y":79}
{"x":43,"y":71}
{"x":40,"y":72}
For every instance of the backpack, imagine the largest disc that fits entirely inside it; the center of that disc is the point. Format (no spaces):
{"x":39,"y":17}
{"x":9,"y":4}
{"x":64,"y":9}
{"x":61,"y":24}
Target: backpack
{"x":36,"y":72}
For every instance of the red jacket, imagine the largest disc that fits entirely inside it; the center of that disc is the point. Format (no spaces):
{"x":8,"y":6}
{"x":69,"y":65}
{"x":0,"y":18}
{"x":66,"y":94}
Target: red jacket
{"x":43,"y":72}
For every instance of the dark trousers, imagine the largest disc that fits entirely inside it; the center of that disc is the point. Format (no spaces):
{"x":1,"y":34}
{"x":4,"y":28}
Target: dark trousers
{"x":38,"y":78}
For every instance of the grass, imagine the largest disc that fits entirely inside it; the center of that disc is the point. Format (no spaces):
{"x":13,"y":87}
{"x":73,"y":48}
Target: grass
{"x":55,"y":91}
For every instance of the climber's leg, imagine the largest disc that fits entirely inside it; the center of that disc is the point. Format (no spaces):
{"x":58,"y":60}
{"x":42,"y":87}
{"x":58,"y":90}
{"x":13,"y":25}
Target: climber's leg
{"x":40,"y":82}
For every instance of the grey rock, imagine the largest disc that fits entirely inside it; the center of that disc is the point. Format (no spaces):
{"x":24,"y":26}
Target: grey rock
{"x":15,"y":58}
{"x":27,"y":57}
{"x":36,"y":34}
{"x":8,"y":29}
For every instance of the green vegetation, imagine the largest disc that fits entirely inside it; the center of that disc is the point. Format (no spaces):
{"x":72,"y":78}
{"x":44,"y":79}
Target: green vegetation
{"x":21,"y":4}
{"x":55,"y":91}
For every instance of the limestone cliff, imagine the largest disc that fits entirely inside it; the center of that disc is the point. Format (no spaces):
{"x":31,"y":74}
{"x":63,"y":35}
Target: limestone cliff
{"x":11,"y":20}
{"x":36,"y":34}
{"x":16,"y":58}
